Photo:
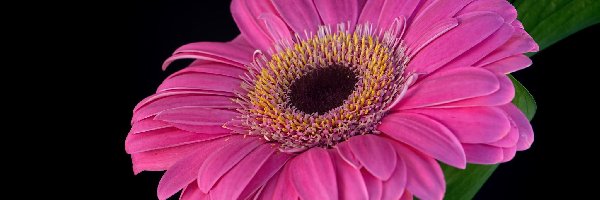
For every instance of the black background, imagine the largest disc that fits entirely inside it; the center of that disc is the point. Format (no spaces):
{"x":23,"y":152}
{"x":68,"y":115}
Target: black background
{"x":561,"y":79}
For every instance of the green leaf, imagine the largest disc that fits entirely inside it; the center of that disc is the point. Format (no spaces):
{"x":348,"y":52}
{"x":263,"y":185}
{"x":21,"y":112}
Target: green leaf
{"x":549,"y":21}
{"x":464,"y":184}
{"x":523,"y":99}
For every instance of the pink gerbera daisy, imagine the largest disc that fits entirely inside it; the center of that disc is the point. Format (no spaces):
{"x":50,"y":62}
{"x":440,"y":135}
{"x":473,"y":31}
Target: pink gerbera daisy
{"x":337,"y":99}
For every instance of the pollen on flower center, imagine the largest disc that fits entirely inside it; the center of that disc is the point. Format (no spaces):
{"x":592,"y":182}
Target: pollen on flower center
{"x":323,"y":89}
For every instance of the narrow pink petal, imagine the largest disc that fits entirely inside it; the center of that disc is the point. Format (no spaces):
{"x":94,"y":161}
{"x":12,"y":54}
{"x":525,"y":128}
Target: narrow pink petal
{"x":232,"y":184}
{"x":268,"y":190}
{"x":167,"y":103}
{"x":521,"y":121}
{"x":374,"y":153}
{"x":167,"y":94}
{"x":482,"y":49}
{"x":284,"y":188}
{"x":246,"y":15}
{"x":316,"y":180}
{"x":147,"y":125}
{"x":227,"y":53}
{"x":393,"y":9}
{"x":449,"y":86}
{"x":277,"y":29}
{"x":221,"y":161}
{"x":483,"y":154}
{"x":509,"y":153}
{"x":519,"y":43}
{"x":502,"y":96}
{"x":472,"y":124}
{"x":197,"y":116}
{"x":162,"y":159}
{"x":333,"y":12}
{"x":202,"y":129}
{"x":272,"y":166}
{"x":201,"y":81}
{"x":509,"y":64}
{"x":191,"y":192}
{"x":501,"y":7}
{"x":435,"y":31}
{"x":426,"y":135}
{"x":164,"y":138}
{"x":473,"y":28}
{"x":185,"y":171}
{"x":345,"y":152}
{"x":300,"y":15}
{"x":350,"y":181}
{"x":432,"y":12}
{"x":213,"y":68}
{"x":395,"y":186}
{"x":374,"y":185}
{"x":425,"y":178}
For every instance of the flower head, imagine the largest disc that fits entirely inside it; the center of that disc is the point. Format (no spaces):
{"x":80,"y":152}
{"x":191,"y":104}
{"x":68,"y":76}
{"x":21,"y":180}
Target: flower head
{"x":325,"y":99}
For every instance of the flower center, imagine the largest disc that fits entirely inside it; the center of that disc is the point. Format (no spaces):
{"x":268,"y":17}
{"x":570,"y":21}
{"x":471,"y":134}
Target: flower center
{"x":322,"y":89}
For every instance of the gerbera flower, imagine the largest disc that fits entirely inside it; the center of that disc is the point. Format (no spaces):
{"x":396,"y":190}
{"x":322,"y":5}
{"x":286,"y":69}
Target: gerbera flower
{"x":331,"y":99}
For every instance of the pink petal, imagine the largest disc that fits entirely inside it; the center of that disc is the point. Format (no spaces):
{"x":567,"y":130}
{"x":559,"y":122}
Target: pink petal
{"x":333,"y":12}
{"x":522,"y":123}
{"x":374,"y":153}
{"x":202,"y":129}
{"x":162,"y":159}
{"x":185,"y":170}
{"x":473,"y":28}
{"x":235,"y":181}
{"x":300,"y":15}
{"x":221,"y":161}
{"x":268,"y":190}
{"x":482,"y":49}
{"x":502,"y":96}
{"x":277,"y":29}
{"x":392,"y":9}
{"x":483,"y":154}
{"x":167,"y":94}
{"x":284,"y":188}
{"x":425,"y":177}
{"x":191,"y":192}
{"x":511,"y":139}
{"x":509,"y":153}
{"x":246,"y":15}
{"x":501,"y":7}
{"x":346,"y":154}
{"x":374,"y":185}
{"x":472,"y":124}
{"x":435,"y":31}
{"x":316,"y":180}
{"x":266,"y":173}
{"x":201,"y":81}
{"x":167,"y":103}
{"x":227,"y":53}
{"x":407,"y":196}
{"x":147,"y":125}
{"x":426,"y":135}
{"x":213,"y":68}
{"x":509,"y":64}
{"x":197,"y":116}
{"x":394,"y":187}
{"x":351,"y":184}
{"x":164,"y":138}
{"x":449,"y":86}
{"x":433,"y":12}
{"x":519,"y":43}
